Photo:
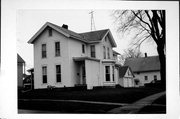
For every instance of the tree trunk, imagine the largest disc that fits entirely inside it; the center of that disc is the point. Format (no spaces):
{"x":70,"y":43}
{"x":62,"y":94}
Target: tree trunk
{"x":162,"y":59}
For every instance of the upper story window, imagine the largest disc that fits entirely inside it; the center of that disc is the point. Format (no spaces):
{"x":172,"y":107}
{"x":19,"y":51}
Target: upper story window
{"x":43,"y":50}
{"x":50,"y":32}
{"x":106,"y":38}
{"x":57,"y":48}
{"x":108,"y":53}
{"x":44,"y":74}
{"x":145,"y":78}
{"x":93,"y":53}
{"x":104,"y":52}
{"x":83,"y":48}
{"x":58,"y":73}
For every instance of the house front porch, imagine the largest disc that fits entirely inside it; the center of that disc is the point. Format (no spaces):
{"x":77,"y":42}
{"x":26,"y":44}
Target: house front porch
{"x":87,"y":71}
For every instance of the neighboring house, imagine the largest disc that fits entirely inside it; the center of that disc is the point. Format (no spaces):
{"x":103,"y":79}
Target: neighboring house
{"x":63,"y":58}
{"x":126,"y":77}
{"x":20,"y":70}
{"x":146,"y":69}
{"x":28,"y":82}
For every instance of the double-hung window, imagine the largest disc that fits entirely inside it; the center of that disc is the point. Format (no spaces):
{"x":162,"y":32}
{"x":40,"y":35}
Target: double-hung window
{"x":155,"y":77}
{"x":145,"y":78}
{"x":43,"y":50}
{"x":107,"y":71}
{"x":57,"y":48}
{"x":58,"y":73}
{"x":44,"y":74}
{"x":50,"y":31}
{"x":108,"y":53}
{"x":104,"y":51}
{"x":113,"y":72}
{"x":83,"y":48}
{"x":93,"y":53}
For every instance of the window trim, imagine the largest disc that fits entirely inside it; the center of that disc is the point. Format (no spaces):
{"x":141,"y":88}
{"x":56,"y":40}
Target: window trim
{"x":113,"y":73}
{"x":94,"y":51}
{"x":56,"y":49}
{"x":44,"y":75}
{"x":154,"y":77}
{"x":108,"y":52}
{"x":146,"y":78}
{"x":42,"y":56}
{"x":104,"y":51}
{"x":59,"y":73}
{"x":108,"y":74}
{"x":83,"y":49}
{"x":50,"y":32}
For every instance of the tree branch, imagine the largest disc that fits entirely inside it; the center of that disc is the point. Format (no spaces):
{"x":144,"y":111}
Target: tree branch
{"x":140,"y":19}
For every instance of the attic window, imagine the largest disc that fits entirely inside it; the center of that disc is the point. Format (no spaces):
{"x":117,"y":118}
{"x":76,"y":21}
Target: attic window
{"x":106,"y":39}
{"x":50,"y":32}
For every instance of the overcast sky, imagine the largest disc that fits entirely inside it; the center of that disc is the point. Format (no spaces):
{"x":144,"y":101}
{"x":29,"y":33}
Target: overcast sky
{"x":30,"y":21}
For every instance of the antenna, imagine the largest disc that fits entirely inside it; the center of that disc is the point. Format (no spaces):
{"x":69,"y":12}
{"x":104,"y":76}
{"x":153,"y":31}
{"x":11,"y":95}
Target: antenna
{"x":92,"y":20}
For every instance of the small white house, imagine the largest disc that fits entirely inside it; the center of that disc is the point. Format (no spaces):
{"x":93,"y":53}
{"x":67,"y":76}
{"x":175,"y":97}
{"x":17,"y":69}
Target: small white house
{"x":126,"y":77}
{"x":146,"y":69}
{"x":63,"y":58}
{"x":20,"y":70}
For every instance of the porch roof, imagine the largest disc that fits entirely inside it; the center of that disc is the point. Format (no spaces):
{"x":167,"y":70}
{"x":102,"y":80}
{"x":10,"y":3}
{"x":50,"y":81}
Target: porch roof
{"x":108,"y":61}
{"x":85,"y":58}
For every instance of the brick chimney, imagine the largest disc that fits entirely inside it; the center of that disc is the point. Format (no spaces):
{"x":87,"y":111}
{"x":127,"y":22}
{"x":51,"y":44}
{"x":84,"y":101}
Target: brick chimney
{"x":145,"y":54}
{"x":65,"y":26}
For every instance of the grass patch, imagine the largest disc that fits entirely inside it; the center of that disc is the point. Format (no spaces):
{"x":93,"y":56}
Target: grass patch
{"x":117,"y":95}
{"x":114,"y":95}
{"x":65,"y":107}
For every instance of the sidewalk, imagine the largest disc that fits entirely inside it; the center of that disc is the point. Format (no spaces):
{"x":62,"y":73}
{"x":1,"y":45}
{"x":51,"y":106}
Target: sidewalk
{"x":78,"y":101}
{"x":135,"y":107}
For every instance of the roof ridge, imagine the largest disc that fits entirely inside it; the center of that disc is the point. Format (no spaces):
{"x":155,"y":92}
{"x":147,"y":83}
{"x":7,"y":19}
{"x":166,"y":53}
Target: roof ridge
{"x":144,"y":57}
{"x":93,"y":31}
{"x":61,"y":27}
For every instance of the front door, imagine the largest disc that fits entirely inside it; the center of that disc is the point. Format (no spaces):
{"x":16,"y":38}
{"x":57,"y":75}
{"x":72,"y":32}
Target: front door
{"x":83,"y":74}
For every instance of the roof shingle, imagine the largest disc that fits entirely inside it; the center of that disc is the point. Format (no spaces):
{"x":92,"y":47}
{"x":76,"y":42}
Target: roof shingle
{"x":122,"y":71}
{"x":94,"y":35}
{"x":143,"y":64}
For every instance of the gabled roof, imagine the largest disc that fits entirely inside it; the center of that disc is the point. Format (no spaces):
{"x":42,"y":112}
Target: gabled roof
{"x":97,"y":36}
{"x":143,"y":64}
{"x":123,"y":70}
{"x":88,"y":37}
{"x":20,"y":59}
{"x":65,"y":32}
{"x":94,"y":35}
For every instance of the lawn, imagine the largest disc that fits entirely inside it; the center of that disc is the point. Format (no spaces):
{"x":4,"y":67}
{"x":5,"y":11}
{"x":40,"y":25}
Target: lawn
{"x":114,"y":95}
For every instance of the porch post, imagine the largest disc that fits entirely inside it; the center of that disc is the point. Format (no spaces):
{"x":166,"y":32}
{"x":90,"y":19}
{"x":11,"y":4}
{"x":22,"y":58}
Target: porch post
{"x":88,"y":74}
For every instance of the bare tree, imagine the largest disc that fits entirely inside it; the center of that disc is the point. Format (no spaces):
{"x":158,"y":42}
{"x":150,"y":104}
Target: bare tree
{"x":129,"y":53}
{"x":146,"y":25}
{"x":132,"y":53}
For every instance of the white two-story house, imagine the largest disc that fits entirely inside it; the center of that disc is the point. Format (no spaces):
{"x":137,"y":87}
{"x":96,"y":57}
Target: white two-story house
{"x":63,"y":58}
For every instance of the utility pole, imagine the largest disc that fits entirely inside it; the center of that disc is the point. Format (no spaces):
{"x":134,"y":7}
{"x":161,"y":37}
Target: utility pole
{"x":92,"y":21}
